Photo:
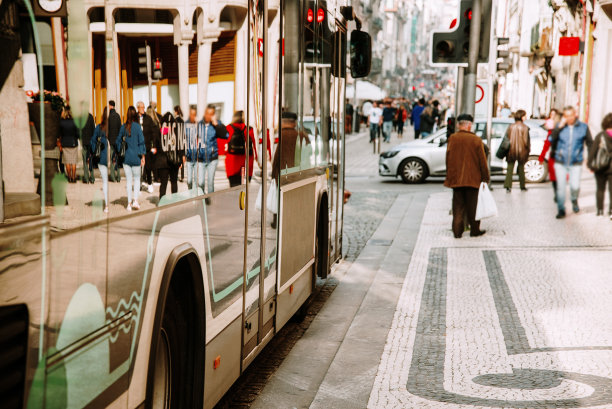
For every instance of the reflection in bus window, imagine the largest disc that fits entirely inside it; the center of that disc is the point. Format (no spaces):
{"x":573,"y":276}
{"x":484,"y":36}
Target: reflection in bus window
{"x":295,"y":151}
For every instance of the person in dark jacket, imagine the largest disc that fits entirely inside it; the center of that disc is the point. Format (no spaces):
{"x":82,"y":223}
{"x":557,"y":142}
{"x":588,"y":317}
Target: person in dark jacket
{"x":520,"y":146}
{"x":179,"y":124}
{"x":86,"y":134}
{"x":427,"y":122}
{"x":99,"y":136}
{"x":150,"y":129}
{"x":168,"y":157}
{"x":567,"y":147}
{"x":466,"y":169}
{"x":114,"y":124}
{"x":603,"y":176}
{"x":69,"y":143}
{"x":131,"y":133}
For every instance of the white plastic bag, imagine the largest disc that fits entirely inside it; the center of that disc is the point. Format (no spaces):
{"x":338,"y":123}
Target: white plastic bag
{"x":271,"y":199}
{"x":486,"y":204}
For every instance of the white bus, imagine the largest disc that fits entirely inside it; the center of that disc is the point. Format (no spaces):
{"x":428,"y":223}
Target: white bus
{"x":167,"y":305}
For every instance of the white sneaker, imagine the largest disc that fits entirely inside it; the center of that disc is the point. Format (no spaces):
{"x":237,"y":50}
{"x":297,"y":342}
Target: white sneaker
{"x":129,"y":207}
{"x":150,"y":188}
{"x":135,"y":205}
{"x":106,"y":209}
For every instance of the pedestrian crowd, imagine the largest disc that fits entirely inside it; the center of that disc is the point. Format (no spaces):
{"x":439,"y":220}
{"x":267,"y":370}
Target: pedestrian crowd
{"x":387,"y":116}
{"x":153,"y":149}
{"x":568,"y":137}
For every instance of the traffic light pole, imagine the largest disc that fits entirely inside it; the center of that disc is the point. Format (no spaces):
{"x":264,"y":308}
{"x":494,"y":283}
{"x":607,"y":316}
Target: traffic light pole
{"x":469,"y":89}
{"x":149,"y":77}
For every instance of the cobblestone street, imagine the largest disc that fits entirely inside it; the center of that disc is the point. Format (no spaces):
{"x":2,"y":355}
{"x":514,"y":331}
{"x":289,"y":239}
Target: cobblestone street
{"x":516,"y":319}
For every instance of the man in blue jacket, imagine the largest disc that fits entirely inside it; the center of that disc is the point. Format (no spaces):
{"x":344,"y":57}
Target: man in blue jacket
{"x":415,"y":117}
{"x":567,"y":147}
{"x":202,"y":149}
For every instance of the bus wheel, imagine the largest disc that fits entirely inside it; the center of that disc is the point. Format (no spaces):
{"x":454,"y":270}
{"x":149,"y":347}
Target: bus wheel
{"x":168,"y":363}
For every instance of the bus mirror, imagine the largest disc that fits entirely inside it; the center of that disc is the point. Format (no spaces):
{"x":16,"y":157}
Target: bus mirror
{"x":361,"y":53}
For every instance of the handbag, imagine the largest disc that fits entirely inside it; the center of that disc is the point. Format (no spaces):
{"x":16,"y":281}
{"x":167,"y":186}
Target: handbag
{"x":98,"y":149}
{"x":271,"y":199}
{"x":601,"y":159}
{"x":504,"y":148}
{"x":486,"y":206}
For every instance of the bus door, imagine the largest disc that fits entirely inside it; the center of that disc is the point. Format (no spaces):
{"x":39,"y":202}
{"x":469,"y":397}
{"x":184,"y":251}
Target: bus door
{"x":337,"y":99}
{"x":259,"y":306}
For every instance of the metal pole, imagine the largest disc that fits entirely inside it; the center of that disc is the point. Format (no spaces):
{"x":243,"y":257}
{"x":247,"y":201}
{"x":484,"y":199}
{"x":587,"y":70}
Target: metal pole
{"x":469,"y":91}
{"x":149,"y":79}
{"x":264,"y":163}
{"x":491,"y":79}
{"x":459,"y":91}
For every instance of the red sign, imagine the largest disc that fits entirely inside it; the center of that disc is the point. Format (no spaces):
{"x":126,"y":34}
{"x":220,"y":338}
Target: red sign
{"x":479,"y":90}
{"x":260,"y":46}
{"x":569,"y":45}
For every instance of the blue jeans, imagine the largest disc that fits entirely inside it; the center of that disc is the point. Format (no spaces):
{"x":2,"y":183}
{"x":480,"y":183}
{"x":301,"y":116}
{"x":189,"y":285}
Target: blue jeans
{"x":574,"y":172}
{"x":104,"y":173}
{"x":202,"y":169}
{"x":373,"y":131}
{"x":387,"y":128}
{"x":132,"y":174}
{"x":425,"y":134}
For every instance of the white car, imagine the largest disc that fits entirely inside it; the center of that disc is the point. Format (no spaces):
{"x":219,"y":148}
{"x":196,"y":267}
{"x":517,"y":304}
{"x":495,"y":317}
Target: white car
{"x":416,"y":160}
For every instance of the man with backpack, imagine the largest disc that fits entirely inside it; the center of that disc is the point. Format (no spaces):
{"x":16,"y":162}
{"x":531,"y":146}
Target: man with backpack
{"x":567,"y":147}
{"x":235,"y":158}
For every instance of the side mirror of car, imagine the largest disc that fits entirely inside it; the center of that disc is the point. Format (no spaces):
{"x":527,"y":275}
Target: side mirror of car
{"x":361,"y":54}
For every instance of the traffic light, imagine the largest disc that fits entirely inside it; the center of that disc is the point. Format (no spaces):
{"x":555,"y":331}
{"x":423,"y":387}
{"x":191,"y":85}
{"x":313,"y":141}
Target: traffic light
{"x":142,"y":60}
{"x":503,"y":54}
{"x":452,"y":46}
{"x":157,"y":69}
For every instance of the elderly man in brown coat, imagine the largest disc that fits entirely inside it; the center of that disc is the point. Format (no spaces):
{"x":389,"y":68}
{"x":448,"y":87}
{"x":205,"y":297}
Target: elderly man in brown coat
{"x":466,"y":168}
{"x":520,"y":145}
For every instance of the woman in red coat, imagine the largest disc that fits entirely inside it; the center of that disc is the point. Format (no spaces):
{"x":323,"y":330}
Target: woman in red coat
{"x":552,"y":120}
{"x":235,"y":158}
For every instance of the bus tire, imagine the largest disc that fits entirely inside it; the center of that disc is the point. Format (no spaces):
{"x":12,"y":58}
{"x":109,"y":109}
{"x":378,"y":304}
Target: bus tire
{"x":175,"y":378}
{"x":322,"y":242}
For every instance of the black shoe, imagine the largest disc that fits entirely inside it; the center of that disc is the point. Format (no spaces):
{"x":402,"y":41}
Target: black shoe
{"x":208,"y":201}
{"x":575,"y":206}
{"x":599,"y":212}
{"x":274,"y":221}
{"x":508,"y":190}
{"x":478,"y":233}
{"x":523,"y":189}
{"x":561,"y":214}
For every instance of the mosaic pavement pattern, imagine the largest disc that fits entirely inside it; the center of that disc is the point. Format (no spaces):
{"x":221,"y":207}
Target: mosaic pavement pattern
{"x":519,"y":318}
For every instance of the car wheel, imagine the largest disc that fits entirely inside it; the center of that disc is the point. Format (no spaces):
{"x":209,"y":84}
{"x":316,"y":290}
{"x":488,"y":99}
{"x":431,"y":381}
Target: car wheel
{"x":535,"y":172}
{"x":413,"y":170}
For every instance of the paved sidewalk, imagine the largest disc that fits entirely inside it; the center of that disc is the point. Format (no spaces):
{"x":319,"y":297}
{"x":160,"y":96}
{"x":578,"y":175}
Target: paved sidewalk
{"x":519,"y":318}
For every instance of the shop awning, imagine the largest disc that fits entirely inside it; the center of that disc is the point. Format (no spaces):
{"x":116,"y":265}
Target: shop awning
{"x":365,"y":90}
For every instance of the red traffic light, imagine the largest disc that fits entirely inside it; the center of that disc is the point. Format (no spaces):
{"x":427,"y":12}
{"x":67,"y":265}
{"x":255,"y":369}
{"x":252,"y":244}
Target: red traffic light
{"x":453,"y":24}
{"x":157,"y":64}
{"x":320,"y":15}
{"x":468,"y":14}
{"x":310,"y":16}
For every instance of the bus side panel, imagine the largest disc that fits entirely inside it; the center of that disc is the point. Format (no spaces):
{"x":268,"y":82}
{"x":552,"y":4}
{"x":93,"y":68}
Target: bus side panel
{"x":222,"y":363}
{"x":21,"y":282}
{"x":298,"y":215}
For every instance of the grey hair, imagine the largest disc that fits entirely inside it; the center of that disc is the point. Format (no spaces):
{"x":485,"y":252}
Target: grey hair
{"x":464,"y":123}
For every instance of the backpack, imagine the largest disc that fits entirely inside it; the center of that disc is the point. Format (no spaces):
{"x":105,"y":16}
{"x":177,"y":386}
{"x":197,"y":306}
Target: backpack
{"x":98,"y":150}
{"x":601,"y":160}
{"x":237,"y":143}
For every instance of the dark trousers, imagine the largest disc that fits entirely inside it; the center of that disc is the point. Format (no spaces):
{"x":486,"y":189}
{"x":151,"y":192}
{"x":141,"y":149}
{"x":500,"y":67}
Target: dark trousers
{"x":165,"y":174}
{"x":148,"y":168}
{"x":520,"y":169}
{"x":88,"y":175}
{"x":602,"y":179}
{"x":465,"y":200}
{"x":400,"y":127}
{"x":235,"y":180}
{"x":113,"y":169}
{"x":417,"y":133}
